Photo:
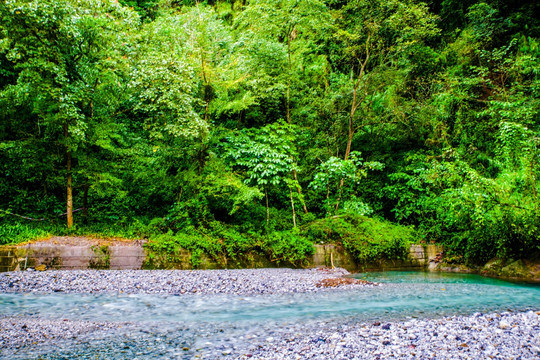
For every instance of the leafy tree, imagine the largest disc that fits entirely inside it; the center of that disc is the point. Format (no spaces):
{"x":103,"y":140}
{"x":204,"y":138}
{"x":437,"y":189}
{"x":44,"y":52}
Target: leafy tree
{"x":372,"y":39}
{"x":163,"y":89}
{"x":339,"y":179}
{"x":208,"y":50}
{"x":266,"y":155}
{"x":284,"y":22}
{"x":63,"y":54}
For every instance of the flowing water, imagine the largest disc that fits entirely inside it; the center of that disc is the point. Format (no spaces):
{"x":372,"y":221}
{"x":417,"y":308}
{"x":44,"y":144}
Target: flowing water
{"x":199,"y":322}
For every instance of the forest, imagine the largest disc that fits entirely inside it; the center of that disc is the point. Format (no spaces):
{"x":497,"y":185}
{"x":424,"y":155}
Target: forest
{"x":237,"y":126}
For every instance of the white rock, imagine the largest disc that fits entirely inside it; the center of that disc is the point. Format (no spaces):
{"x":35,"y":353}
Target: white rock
{"x":503,"y":324}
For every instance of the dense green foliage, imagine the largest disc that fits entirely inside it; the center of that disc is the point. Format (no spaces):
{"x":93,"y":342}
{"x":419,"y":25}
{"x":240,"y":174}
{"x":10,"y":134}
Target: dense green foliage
{"x":233,"y":127}
{"x":230,"y":248}
{"x":367,"y":240}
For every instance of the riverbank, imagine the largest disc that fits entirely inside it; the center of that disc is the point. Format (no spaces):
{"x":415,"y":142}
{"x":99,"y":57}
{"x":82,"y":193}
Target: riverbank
{"x":81,"y":252}
{"x":77,"y":253}
{"x":504,"y":335}
{"x":177,"y":282}
{"x":523,"y":270}
{"x":479,"y":336}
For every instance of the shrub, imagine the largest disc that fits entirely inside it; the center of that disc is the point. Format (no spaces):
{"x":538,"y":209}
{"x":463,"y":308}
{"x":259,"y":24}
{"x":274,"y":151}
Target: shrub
{"x":17,"y":233}
{"x":288,"y":247}
{"x":367,"y":239}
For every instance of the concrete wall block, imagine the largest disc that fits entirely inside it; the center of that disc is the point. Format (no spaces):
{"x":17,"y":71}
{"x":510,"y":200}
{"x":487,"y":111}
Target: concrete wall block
{"x":136,"y":257}
{"x":8,"y":261}
{"x":126,"y":257}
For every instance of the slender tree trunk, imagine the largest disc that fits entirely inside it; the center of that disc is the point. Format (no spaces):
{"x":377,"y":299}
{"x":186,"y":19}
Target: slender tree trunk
{"x":349,"y":137}
{"x":288,"y":101}
{"x":69,"y":209}
{"x":289,"y":104}
{"x":201,"y":157}
{"x":328,"y":195}
{"x":292,"y":206}
{"x":206,"y":95}
{"x":355,"y":101}
{"x":350,"y":133}
{"x":69,"y":193}
{"x":299,"y":191}
{"x":339,"y":198}
{"x":354,"y":106}
{"x":240,"y":116}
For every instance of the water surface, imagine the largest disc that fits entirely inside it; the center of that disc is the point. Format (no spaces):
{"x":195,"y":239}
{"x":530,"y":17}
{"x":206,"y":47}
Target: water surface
{"x":401,"y":295}
{"x":202,"y":322}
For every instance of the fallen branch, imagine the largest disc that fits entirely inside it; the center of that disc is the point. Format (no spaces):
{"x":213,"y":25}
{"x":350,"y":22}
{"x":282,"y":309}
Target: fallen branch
{"x":336,"y":282}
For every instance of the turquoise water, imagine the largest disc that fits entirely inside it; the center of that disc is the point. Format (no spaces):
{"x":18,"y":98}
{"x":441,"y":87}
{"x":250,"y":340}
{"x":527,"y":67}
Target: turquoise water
{"x":402,"y":295}
{"x":198,"y":320}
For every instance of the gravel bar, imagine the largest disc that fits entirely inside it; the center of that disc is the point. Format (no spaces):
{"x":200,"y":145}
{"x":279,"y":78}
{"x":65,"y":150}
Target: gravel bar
{"x":500,"y":336}
{"x":479,"y":336}
{"x":238,"y":282}
{"x":20,"y":332}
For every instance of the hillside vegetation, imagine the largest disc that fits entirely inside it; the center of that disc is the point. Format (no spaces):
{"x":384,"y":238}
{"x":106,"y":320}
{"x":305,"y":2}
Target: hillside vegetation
{"x":268,"y":125}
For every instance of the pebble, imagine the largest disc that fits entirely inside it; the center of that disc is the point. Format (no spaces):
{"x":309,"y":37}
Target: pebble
{"x":239,"y":282}
{"x":456,"y":339}
{"x":505,"y":335}
{"x":19,"y":332}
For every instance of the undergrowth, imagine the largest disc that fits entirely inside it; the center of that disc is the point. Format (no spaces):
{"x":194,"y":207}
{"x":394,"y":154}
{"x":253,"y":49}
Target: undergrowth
{"x":18,"y":233}
{"x":369,"y":240}
{"x":227,"y":246}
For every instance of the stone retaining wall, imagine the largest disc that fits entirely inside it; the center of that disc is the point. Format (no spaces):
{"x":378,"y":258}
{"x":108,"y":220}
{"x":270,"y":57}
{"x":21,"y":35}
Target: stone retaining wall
{"x":419,"y":258}
{"x":55,"y":255}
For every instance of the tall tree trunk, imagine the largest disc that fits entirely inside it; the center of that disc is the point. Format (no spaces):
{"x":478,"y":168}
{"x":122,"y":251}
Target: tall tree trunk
{"x":206,"y":112}
{"x":292,"y":206}
{"x":69,"y":209}
{"x":290,"y":34}
{"x":299,"y":191}
{"x":354,"y":106}
{"x":201,"y":160}
{"x":355,"y":101}
{"x":533,"y":179}
{"x":350,"y":136}
{"x":206,"y":81}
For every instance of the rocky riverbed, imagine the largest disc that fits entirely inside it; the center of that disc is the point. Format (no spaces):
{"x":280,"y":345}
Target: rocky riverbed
{"x":29,"y":335}
{"x":479,"y":336}
{"x":20,"y":332}
{"x":247,"y":281}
